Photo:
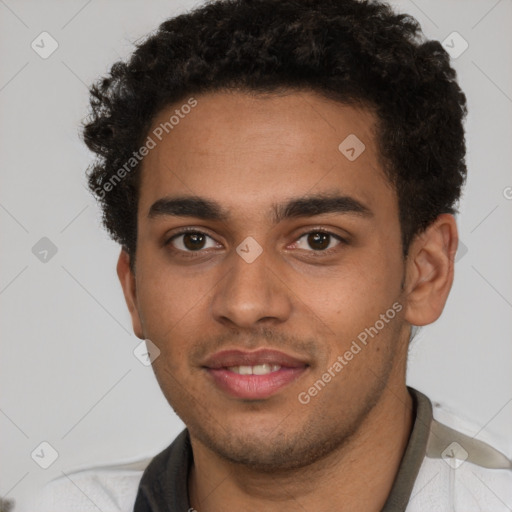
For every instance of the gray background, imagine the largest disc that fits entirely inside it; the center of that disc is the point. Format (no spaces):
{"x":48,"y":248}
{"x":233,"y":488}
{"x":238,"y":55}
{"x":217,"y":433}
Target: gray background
{"x":68,"y":373}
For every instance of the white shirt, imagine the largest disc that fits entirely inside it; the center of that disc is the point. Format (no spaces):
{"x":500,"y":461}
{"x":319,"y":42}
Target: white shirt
{"x":457,"y":474}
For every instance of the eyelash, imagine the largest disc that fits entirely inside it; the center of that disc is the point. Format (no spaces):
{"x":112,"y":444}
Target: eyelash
{"x":314,"y":253}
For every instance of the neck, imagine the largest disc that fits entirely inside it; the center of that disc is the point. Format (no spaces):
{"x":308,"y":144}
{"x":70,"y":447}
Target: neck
{"x":371,"y":457}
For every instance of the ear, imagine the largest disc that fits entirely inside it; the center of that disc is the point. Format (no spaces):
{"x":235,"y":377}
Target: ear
{"x":430,"y":269}
{"x":127,"y":280}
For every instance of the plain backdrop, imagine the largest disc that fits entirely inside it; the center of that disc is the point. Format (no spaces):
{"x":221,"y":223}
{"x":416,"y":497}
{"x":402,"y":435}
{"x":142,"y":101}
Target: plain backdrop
{"x":68,"y":373}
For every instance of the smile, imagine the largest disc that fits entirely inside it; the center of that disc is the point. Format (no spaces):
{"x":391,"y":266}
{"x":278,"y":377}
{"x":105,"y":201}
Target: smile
{"x":253,"y":375}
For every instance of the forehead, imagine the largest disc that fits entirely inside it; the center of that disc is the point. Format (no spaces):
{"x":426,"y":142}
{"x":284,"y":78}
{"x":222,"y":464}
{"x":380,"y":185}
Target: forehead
{"x":238,"y":147}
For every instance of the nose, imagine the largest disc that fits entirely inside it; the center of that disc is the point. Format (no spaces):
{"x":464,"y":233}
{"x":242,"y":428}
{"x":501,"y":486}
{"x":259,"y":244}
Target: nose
{"x":251,"y":294}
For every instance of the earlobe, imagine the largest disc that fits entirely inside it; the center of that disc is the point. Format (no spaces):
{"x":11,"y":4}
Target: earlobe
{"x":127,"y":280}
{"x":430,"y":270}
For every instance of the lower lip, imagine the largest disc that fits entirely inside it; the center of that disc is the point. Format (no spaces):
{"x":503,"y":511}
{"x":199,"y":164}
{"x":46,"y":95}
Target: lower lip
{"x":254,"y":387}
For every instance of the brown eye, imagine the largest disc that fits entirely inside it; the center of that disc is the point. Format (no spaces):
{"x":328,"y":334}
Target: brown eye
{"x":318,"y":241}
{"x":192,"y":241}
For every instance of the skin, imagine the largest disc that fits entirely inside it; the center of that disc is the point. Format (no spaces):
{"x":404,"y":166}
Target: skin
{"x":247,"y":152}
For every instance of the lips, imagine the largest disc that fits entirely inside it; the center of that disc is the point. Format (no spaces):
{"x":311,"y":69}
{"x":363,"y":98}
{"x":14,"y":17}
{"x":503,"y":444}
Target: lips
{"x":228,"y":358}
{"x":253,"y":375}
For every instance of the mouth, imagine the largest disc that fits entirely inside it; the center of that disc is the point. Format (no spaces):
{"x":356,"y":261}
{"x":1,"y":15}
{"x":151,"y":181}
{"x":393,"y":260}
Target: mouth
{"x":253,"y":375}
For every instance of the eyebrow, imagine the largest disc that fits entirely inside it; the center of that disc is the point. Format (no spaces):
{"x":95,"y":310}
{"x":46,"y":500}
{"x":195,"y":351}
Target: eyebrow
{"x":308,"y":206}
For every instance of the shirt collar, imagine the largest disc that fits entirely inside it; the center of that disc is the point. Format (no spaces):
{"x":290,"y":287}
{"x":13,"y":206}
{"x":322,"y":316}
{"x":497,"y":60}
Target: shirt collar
{"x":164,"y":483}
{"x":414,"y":454}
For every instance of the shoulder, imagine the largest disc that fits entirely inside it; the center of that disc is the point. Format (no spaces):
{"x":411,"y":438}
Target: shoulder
{"x":111,"y":488}
{"x":461,"y":472}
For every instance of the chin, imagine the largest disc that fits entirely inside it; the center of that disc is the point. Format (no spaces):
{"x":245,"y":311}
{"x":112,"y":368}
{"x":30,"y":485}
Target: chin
{"x":270,"y":446}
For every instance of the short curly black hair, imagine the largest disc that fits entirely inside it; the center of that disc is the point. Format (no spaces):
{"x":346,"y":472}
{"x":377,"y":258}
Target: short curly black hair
{"x":355,"y":52}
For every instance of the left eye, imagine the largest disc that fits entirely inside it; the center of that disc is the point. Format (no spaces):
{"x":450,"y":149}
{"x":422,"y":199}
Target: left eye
{"x":318,"y":241}
{"x":192,"y":241}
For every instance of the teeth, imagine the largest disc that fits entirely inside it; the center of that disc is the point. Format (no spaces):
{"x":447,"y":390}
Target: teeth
{"x":261,"y":369}
{"x":258,"y":369}
{"x":245,"y":370}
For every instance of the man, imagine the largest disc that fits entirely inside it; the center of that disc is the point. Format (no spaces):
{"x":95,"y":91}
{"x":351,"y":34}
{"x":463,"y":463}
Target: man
{"x":282,"y":178}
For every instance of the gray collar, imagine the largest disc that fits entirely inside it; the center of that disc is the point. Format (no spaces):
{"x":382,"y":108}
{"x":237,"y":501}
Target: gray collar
{"x":414,"y":454}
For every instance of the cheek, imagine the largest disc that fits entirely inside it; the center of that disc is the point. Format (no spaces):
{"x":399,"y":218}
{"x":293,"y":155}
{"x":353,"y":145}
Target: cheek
{"x":165,"y":309}
{"x":166,"y":295}
{"x":175,"y":310}
{"x":356,"y":288}
{"x":352,"y":299}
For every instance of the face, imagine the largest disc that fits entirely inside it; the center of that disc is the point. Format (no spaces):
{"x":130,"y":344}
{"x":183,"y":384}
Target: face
{"x":262,"y":248}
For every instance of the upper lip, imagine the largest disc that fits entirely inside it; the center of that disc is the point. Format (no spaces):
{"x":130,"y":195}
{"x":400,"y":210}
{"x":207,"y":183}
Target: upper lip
{"x":228,"y":358}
